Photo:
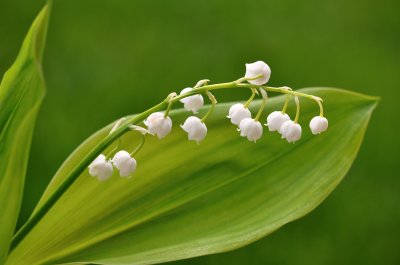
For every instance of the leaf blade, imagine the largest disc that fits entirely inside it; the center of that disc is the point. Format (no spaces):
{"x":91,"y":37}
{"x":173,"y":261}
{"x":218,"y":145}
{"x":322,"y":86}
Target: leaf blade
{"x":21,"y":92}
{"x":156,"y":217}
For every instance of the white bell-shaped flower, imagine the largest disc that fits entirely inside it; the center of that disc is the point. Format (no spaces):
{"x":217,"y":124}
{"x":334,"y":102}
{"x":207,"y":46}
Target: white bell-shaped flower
{"x":101,"y":168}
{"x":195,"y":128}
{"x":158,"y":125}
{"x":238,"y":112}
{"x":192,"y":103}
{"x":251,"y":129}
{"x":255,"y":69}
{"x":275,"y":120}
{"x":318,"y":125}
{"x":123,"y":161}
{"x":291,"y":131}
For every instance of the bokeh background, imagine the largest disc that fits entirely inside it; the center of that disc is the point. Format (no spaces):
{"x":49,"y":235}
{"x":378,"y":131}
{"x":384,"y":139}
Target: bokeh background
{"x":106,"y":59}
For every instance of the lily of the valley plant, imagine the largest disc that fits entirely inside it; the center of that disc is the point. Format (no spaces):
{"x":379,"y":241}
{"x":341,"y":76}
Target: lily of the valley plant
{"x":160,"y":124}
{"x":235,"y":186}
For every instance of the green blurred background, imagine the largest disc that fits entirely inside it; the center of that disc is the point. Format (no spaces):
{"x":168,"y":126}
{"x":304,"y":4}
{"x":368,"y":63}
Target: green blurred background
{"x":106,"y":59}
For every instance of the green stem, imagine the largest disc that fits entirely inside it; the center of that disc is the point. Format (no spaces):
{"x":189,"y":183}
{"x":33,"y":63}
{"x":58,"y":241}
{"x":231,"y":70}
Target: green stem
{"x":208,"y":113}
{"x":247,"y":104}
{"x":137,"y":149}
{"x":168,"y":109}
{"x":213,"y":103}
{"x":114,"y":149}
{"x":321,"y":109}
{"x":286,"y":104}
{"x":261,"y":109}
{"x":170,"y":103}
{"x":203,"y":89}
{"x":296,"y":119}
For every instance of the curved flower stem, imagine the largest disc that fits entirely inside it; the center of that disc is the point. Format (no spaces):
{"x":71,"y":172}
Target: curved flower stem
{"x":296,"y":99}
{"x":121,"y":130}
{"x":286,"y":103}
{"x":170,"y":101}
{"x":114,"y":149}
{"x":168,"y":109}
{"x":321,"y":109}
{"x":254,"y":92}
{"x":213,"y":103}
{"x":264,"y":101}
{"x":260,"y":110}
{"x":202,"y":83}
{"x":137,"y":149}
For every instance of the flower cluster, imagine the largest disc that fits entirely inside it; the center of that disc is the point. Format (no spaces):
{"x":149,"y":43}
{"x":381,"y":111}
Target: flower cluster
{"x":159,"y":124}
{"x":102,"y":168}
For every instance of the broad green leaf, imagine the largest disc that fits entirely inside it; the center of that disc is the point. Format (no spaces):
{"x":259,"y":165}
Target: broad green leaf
{"x":21,"y":92}
{"x":188,"y":200}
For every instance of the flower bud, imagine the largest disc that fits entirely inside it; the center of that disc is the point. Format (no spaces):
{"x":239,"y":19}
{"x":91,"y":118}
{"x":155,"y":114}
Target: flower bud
{"x":192,"y":103}
{"x":195,"y":128}
{"x":123,"y":161}
{"x":158,"y":125}
{"x":251,"y":129}
{"x":318,"y":124}
{"x":255,"y":69}
{"x":238,"y":112}
{"x":101,"y":168}
{"x":275,"y":120}
{"x":291,"y":131}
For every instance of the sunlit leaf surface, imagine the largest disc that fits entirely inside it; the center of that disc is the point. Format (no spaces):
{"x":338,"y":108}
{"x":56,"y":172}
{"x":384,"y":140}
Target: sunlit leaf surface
{"x":188,"y":200}
{"x":21,"y":92}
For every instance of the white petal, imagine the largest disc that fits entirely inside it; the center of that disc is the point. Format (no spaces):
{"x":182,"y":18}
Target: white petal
{"x":105,"y":171}
{"x":275,"y":120}
{"x":257,"y":68}
{"x":318,"y":125}
{"x":158,"y":125}
{"x":192,"y":103}
{"x":244,"y":126}
{"x":238,"y":112}
{"x":120,"y":157}
{"x":184,"y":91}
{"x":251,"y":129}
{"x":124,"y":163}
{"x":101,"y":168}
{"x":286,"y":127}
{"x":234,"y":108}
{"x":195,"y":128}
{"x":291,"y":131}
